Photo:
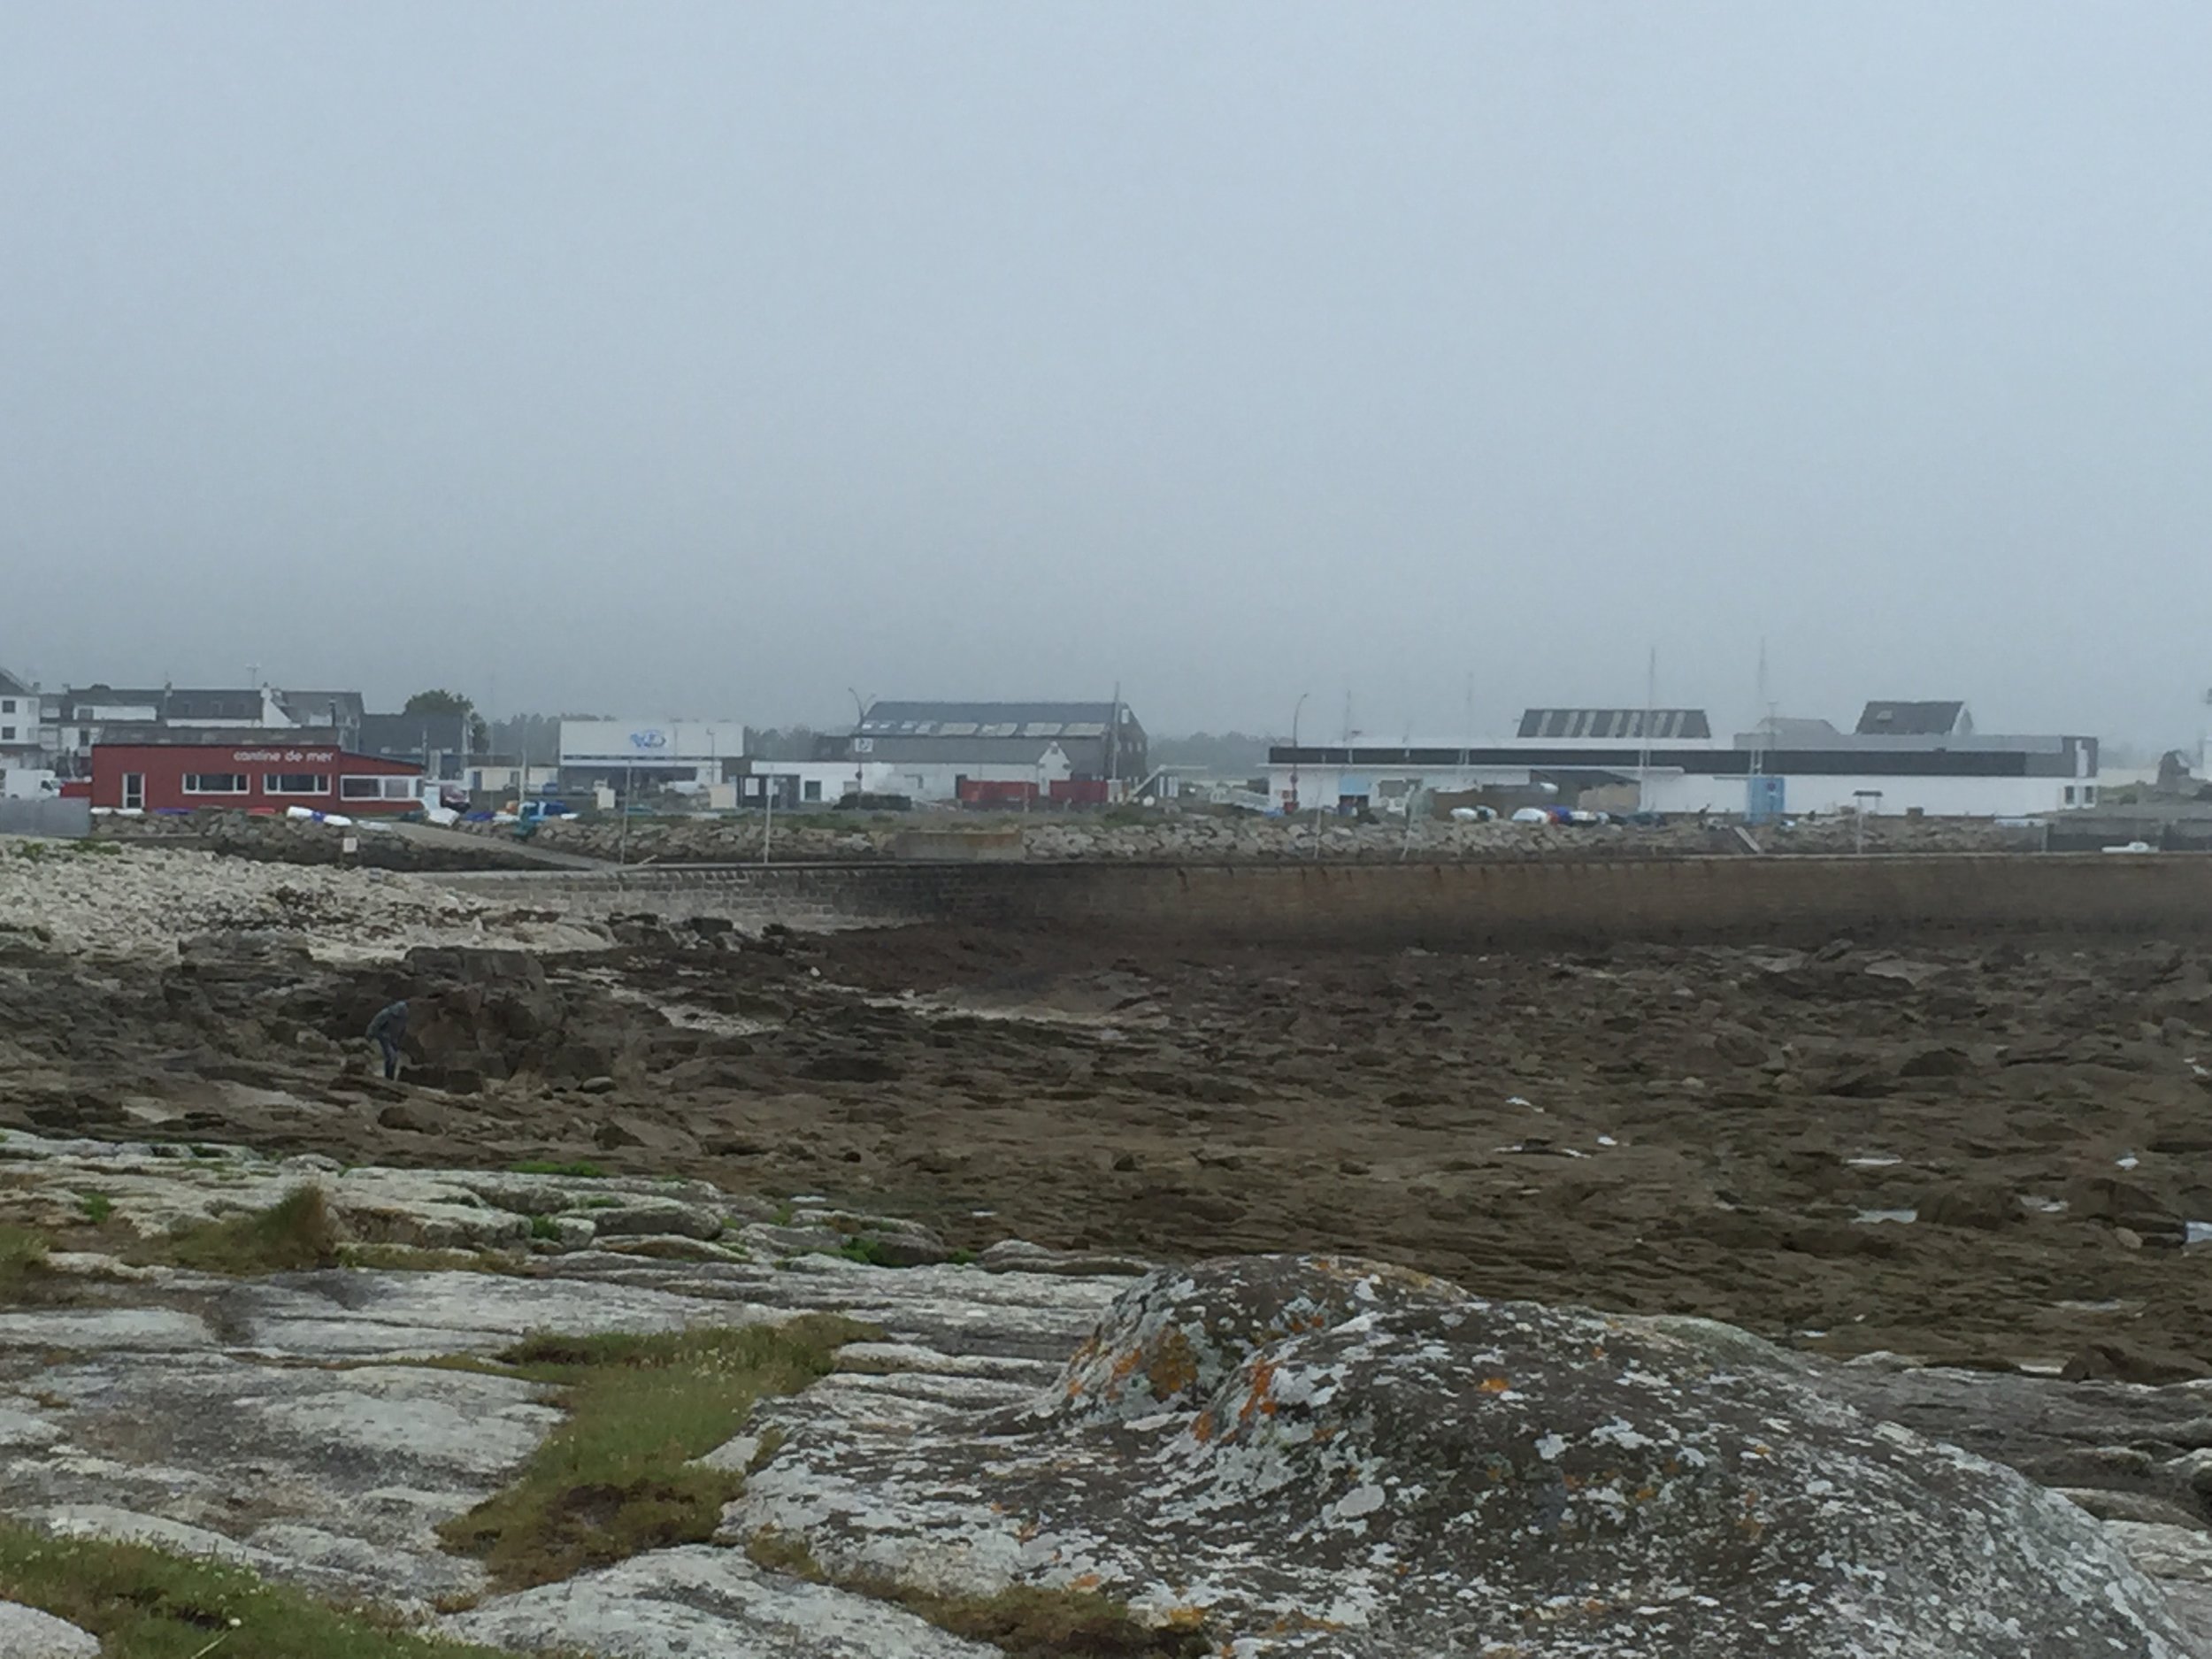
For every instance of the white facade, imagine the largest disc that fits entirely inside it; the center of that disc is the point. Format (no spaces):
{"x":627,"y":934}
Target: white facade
{"x":826,"y":782}
{"x":1885,"y":794}
{"x":20,"y":745}
{"x":701,"y":748}
{"x":495,"y":780}
{"x":1907,"y":778}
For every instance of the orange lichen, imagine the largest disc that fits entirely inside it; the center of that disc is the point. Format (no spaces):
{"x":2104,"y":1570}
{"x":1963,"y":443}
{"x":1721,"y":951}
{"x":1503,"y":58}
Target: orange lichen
{"x":1263,"y":1381}
{"x":1203,"y":1430}
{"x":1171,"y":1367}
{"x":1496,"y":1385}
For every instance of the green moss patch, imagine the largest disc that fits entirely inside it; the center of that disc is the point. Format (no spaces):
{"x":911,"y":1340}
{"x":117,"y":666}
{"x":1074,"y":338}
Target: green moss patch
{"x":22,"y":1262}
{"x":617,"y":1478}
{"x":145,"y":1603}
{"x":293,"y":1234}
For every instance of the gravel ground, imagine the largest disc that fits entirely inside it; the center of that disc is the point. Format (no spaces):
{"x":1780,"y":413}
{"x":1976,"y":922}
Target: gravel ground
{"x":100,"y":899}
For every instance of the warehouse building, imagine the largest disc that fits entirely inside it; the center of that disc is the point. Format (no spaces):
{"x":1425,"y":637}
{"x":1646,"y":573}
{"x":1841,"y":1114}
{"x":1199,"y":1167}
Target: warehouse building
{"x":976,"y":754}
{"x":649,"y":753}
{"x":1903,"y":757}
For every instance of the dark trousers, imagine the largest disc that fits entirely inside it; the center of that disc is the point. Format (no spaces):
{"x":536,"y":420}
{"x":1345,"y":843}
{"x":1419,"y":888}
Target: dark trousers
{"x":391,"y":1055}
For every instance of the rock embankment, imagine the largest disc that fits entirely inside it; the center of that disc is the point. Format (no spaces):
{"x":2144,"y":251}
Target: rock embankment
{"x":1202,"y":838}
{"x":281,"y":839}
{"x":101,"y":898}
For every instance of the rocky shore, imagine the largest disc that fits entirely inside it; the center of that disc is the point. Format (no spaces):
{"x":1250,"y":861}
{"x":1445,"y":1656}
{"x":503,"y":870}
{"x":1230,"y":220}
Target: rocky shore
{"x":1414,"y":1463}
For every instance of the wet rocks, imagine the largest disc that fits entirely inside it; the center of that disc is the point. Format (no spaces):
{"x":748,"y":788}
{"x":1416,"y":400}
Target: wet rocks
{"x":2123,"y":1203}
{"x":1982,"y":1206}
{"x":1324,"y":1456}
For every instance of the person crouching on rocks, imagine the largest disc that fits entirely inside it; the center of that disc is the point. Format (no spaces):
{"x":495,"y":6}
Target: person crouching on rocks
{"x":387,"y":1031}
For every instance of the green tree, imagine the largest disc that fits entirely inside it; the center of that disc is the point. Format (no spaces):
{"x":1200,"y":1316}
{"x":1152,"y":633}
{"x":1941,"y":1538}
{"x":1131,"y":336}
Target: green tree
{"x":452,"y":703}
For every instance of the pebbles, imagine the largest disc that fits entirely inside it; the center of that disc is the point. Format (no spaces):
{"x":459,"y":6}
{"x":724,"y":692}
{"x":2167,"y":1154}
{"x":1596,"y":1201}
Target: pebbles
{"x":143,"y":903}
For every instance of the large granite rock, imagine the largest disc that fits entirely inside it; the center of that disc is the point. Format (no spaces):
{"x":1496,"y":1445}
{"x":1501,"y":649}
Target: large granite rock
{"x":1318,"y":1456}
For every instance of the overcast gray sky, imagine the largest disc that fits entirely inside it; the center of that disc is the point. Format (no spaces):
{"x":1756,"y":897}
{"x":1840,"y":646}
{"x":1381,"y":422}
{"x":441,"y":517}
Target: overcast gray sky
{"x":714,"y":359}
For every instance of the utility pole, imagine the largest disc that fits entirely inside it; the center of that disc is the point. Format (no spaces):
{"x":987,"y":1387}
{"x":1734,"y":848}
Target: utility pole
{"x":1113,"y":750}
{"x":622,"y":842}
{"x":1467,"y":736}
{"x":1292,"y":807}
{"x":1643,"y":751}
{"x":860,"y":719}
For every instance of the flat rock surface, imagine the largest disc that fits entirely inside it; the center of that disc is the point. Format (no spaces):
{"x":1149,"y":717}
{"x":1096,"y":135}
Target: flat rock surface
{"x":27,"y":1634}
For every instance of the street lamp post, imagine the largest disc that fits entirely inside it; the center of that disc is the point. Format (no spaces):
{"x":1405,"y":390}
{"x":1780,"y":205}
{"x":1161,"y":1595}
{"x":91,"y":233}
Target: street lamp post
{"x":860,"y":719}
{"x":1295,"y":708}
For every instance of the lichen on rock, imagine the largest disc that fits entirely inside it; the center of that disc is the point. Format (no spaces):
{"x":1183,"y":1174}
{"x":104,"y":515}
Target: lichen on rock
{"x":1323,"y":1456}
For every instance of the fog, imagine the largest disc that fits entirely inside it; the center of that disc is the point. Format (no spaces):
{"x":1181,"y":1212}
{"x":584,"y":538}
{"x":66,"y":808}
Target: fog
{"x":715,"y":359}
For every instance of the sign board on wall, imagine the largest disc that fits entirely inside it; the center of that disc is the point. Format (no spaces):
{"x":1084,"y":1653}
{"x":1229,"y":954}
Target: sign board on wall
{"x":646,"y":742}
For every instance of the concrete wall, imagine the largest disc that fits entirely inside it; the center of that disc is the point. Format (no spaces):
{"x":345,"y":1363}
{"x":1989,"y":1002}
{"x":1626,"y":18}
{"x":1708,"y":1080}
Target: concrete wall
{"x":1470,"y":906}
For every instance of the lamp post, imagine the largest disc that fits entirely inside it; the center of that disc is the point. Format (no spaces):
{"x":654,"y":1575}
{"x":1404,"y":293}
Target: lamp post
{"x":860,"y":719}
{"x":1295,"y":710}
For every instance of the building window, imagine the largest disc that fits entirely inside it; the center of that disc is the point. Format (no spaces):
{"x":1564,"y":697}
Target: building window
{"x":294,"y":783}
{"x":814,"y":788}
{"x":2069,"y":795}
{"x":2089,"y":794}
{"x":7,"y":734}
{"x":7,"y":705}
{"x":359,"y":788}
{"x":237,"y":783}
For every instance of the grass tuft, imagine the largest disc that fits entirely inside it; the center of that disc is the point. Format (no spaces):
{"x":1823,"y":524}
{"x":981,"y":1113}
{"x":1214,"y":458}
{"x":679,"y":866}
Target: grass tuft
{"x":544,"y":1228}
{"x":22,"y":1260}
{"x":616,"y":1478}
{"x":865,"y":1249}
{"x":96,"y":1207}
{"x":145,"y":1603}
{"x":293,"y":1234}
{"x":580,"y":1170}
{"x":1022,"y":1620}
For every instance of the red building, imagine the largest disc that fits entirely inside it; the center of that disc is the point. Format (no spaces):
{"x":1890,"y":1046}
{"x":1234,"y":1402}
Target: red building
{"x":251,"y":777}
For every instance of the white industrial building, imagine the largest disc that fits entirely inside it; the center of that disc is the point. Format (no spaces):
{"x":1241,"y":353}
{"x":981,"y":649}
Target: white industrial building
{"x":618,"y":753}
{"x":1901,"y":757}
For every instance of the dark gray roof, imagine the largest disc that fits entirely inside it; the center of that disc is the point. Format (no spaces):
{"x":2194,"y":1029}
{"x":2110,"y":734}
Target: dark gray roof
{"x":1674,"y":725}
{"x":1911,"y":719}
{"x":172,"y":702}
{"x":989,"y":720}
{"x":217,"y":736}
{"x":10,"y":686}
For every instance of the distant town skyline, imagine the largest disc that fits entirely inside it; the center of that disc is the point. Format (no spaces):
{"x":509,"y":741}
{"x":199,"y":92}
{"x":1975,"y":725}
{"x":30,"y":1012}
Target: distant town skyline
{"x":722,"y":358}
